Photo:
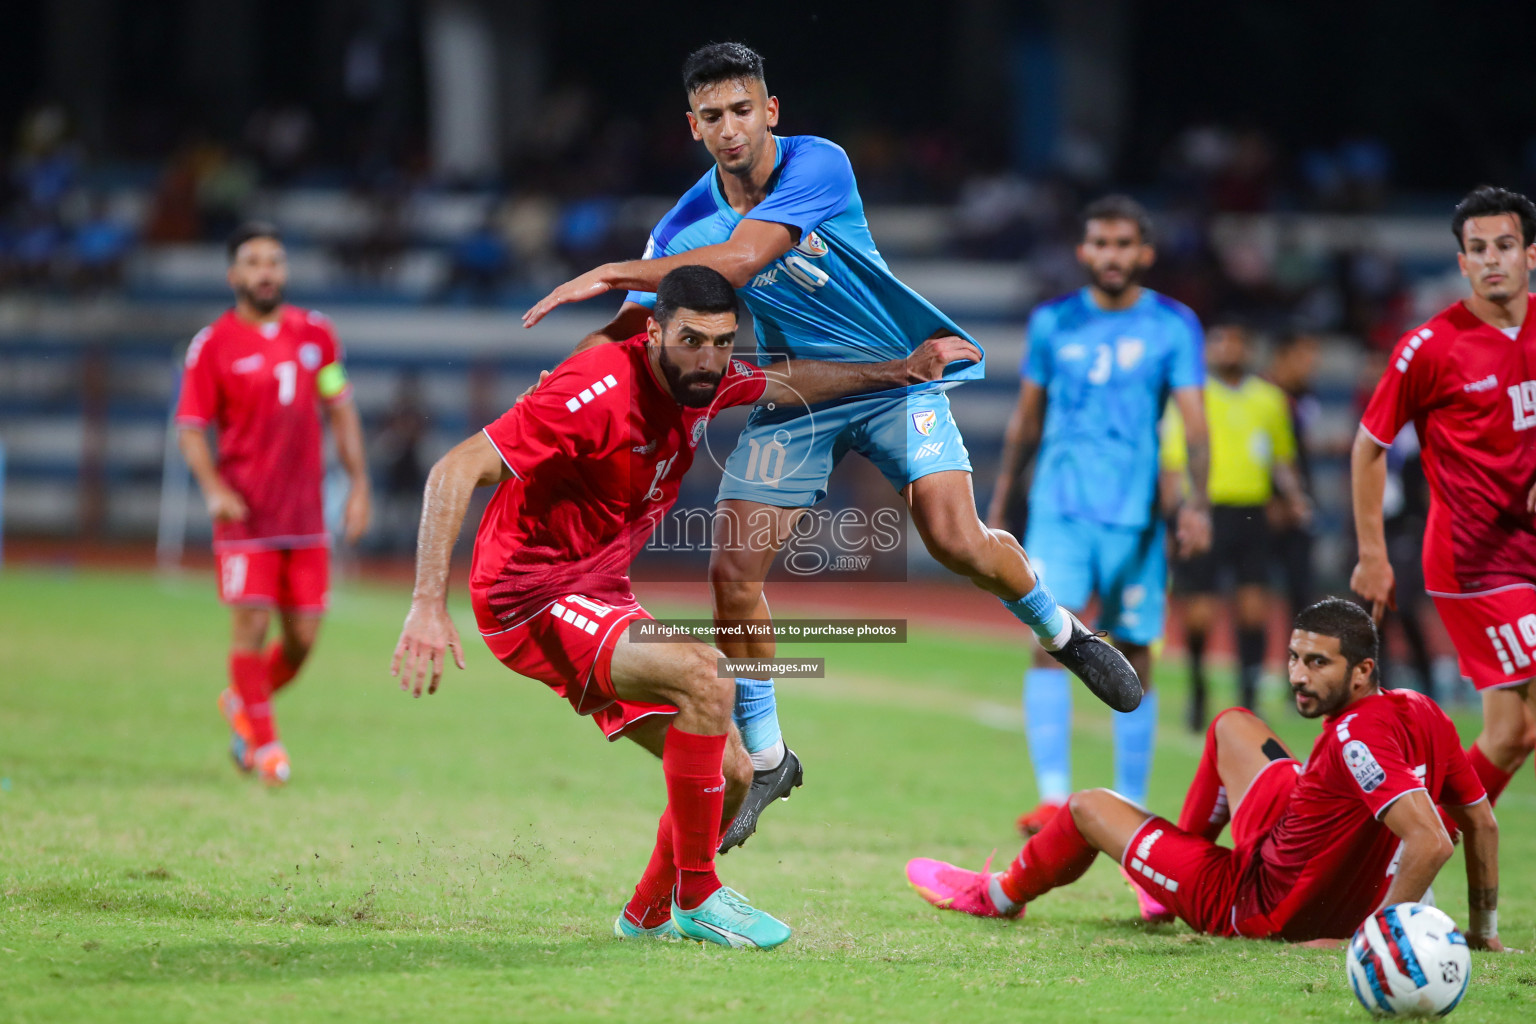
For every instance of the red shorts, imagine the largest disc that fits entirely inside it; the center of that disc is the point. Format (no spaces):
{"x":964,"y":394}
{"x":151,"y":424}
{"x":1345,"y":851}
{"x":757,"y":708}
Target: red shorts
{"x":1195,"y":878}
{"x":296,"y":579}
{"x":568,"y":645}
{"x":1494,"y":633}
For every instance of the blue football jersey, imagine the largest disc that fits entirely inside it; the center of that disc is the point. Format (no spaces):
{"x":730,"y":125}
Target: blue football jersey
{"x":831,"y":297}
{"x":1107,"y":377}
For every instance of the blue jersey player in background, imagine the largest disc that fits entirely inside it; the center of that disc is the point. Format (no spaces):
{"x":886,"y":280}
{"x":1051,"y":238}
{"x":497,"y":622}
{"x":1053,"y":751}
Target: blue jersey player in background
{"x":781,"y":219}
{"x":1099,"y":367}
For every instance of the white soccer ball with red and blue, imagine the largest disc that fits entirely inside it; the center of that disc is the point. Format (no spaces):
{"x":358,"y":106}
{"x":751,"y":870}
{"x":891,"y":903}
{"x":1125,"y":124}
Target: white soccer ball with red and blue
{"x":1408,"y":960}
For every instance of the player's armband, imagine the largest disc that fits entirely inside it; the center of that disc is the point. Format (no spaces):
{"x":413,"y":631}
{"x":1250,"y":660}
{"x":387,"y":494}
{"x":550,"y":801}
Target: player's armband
{"x":331,"y":380}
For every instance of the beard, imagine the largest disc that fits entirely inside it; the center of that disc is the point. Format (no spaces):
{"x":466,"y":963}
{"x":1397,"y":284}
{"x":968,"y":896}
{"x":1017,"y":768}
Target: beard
{"x":687,"y":388}
{"x":1132,"y":279}
{"x":259,"y":304}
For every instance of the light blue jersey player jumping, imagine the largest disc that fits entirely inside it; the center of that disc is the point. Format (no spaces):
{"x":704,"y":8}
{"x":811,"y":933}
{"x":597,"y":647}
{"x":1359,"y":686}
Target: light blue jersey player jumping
{"x":1100,"y":366}
{"x":781,"y":218}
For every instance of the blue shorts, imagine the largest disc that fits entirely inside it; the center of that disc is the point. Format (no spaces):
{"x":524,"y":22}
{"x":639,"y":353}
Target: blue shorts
{"x":785,"y":460}
{"x":1126,"y":566}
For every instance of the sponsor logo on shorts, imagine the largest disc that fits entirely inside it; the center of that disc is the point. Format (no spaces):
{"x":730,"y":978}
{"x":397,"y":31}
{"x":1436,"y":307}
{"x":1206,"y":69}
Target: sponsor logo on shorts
{"x":591,"y":391}
{"x":1363,"y":766}
{"x":925,"y":421}
{"x":235,"y":569}
{"x":1141,"y":867}
{"x":575,"y":618}
{"x":931,"y":448}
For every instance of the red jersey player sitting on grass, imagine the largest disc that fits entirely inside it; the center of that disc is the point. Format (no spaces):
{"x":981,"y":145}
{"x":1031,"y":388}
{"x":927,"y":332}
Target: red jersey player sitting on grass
{"x":585,"y":466}
{"x":259,"y":374}
{"x":1466,"y":380}
{"x":1316,"y":848}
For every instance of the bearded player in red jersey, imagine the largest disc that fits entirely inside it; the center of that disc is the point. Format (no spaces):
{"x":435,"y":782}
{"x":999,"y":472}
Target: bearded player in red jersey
{"x":260,"y":374}
{"x":585,"y":466}
{"x":1467,"y":382}
{"x":1318,"y":848}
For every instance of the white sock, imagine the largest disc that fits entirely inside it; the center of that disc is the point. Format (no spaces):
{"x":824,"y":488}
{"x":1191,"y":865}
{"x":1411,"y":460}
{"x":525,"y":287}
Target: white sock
{"x":1000,"y":900}
{"x":769,"y":757}
{"x":1059,"y":641}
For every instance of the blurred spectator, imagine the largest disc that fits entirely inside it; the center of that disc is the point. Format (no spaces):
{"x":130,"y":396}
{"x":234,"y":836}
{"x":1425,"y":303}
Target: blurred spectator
{"x":280,"y":137}
{"x":399,"y":448}
{"x":99,"y":247}
{"x":1292,"y":369}
{"x":481,"y":264}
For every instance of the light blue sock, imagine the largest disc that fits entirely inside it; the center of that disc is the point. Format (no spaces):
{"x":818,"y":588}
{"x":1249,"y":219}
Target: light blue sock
{"x":1048,"y":724}
{"x":1135,"y":736}
{"x":1037,"y":610}
{"x":757,"y":717}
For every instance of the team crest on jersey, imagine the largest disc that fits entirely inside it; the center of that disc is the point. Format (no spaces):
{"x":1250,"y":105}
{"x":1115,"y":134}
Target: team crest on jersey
{"x":811,"y":245}
{"x":742,"y":369}
{"x":1363,"y":765}
{"x":924,"y":421}
{"x":1128,"y":352}
{"x":309,"y":356}
{"x":698,"y":431}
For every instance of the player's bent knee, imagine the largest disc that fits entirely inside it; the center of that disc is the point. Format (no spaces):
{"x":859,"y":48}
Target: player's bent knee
{"x":959,"y":549}
{"x":700,"y":688}
{"x":733,"y":596}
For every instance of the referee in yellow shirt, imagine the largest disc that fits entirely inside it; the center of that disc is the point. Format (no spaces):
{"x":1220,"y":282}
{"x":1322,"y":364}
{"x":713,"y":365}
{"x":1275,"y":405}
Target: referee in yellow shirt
{"x":1253,"y":452}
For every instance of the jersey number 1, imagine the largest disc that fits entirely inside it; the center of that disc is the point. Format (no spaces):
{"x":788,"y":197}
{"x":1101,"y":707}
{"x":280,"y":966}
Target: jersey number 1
{"x":287,"y":375}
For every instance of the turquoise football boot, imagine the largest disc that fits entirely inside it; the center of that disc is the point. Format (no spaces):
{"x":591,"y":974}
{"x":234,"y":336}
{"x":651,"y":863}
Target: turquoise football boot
{"x":727,"y":919}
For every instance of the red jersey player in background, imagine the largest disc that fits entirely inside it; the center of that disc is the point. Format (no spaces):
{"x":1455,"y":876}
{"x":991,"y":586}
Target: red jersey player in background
{"x":1317,"y":848}
{"x":260,"y":374}
{"x":585,"y":466}
{"x":1467,"y":382}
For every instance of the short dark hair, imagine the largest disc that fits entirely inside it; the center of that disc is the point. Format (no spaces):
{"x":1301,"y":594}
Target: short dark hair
{"x":721,"y":62}
{"x":1347,"y":622}
{"x":249,"y":230}
{"x":1118,"y":207}
{"x":1490,"y":201}
{"x":695,"y":287}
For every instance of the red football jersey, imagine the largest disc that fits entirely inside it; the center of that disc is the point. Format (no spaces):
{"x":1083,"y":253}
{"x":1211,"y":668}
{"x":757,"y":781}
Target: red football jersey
{"x":1326,"y":864}
{"x":261,"y":386}
{"x":1471,"y":393}
{"x":597,"y":453}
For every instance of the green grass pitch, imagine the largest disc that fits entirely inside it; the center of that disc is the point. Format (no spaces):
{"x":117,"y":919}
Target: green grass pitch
{"x":462,"y":857}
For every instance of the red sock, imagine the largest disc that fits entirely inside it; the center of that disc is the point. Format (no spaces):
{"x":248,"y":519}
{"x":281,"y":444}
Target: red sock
{"x":695,"y":801}
{"x":279,"y":672}
{"x":248,"y":674}
{"x":1205,"y":810}
{"x":652,"y":902}
{"x":1493,"y":778}
{"x":1057,"y":855}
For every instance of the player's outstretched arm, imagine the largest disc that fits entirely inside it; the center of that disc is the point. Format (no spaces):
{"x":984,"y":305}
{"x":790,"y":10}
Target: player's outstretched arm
{"x":752,"y":246}
{"x":347,"y":429}
{"x":1021,"y":440}
{"x":428,"y":633}
{"x":1480,"y":833}
{"x":1372,"y":578}
{"x":224,"y":503}
{"x":809,"y":381}
{"x":1426,"y":847}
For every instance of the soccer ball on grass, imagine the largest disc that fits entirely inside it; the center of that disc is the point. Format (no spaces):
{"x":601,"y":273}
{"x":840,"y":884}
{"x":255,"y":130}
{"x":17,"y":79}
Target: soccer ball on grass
{"x":1408,"y":960}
